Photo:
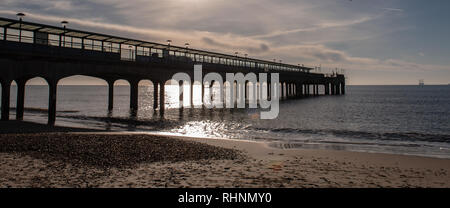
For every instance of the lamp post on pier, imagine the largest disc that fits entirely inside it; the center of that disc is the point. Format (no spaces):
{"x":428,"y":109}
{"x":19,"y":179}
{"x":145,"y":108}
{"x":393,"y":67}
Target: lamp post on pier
{"x":64,"y":24}
{"x":20,"y":15}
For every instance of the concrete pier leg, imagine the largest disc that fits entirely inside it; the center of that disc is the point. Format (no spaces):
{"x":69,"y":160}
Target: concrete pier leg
{"x":246,"y":95}
{"x":162,"y":100}
{"x":282,"y":92}
{"x":52,"y":103}
{"x":289,"y":90}
{"x":155,"y":95}
{"x":192,"y":95}
{"x":300,"y":90}
{"x":6,"y":91}
{"x":134,"y":90}
{"x":343,"y":88}
{"x":181,"y":89}
{"x":110,"y":95}
{"x":295,"y":89}
{"x":338,"y":90}
{"x":203,"y":95}
{"x":333,"y":89}
{"x":286,"y":91}
{"x":20,"y":99}
{"x":327,"y":89}
{"x":211,"y":92}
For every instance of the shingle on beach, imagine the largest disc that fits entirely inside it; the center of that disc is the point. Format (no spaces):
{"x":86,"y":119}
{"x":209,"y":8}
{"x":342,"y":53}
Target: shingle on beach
{"x":105,"y":151}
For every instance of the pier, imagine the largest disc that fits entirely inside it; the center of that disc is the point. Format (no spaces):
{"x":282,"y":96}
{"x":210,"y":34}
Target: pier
{"x":29,"y":50}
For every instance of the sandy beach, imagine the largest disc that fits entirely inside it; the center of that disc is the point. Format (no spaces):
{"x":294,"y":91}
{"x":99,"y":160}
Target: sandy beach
{"x":108,"y":159}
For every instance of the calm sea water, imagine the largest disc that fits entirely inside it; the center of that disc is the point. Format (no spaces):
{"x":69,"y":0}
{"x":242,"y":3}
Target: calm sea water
{"x":409,"y":120}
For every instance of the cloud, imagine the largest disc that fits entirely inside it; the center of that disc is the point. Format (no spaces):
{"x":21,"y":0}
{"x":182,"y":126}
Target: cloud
{"x":320,"y":26}
{"x":299,"y":32}
{"x":393,"y":9}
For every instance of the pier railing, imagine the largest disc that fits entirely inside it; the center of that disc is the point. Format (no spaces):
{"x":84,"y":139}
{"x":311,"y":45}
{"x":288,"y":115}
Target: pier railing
{"x":127,"y":49}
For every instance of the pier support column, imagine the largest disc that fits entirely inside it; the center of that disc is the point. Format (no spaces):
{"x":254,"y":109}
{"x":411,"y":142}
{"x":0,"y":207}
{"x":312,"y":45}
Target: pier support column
{"x":343,"y":88}
{"x":203,"y":94}
{"x":300,"y":90}
{"x":162,"y":100}
{"x":294,"y":90}
{"x":181,"y":89}
{"x":333,"y":89}
{"x":155,"y":95}
{"x":337,"y":89}
{"x":282,"y":91}
{"x":246,"y":95}
{"x":20,"y":99}
{"x":134,"y":96}
{"x":6,"y":90}
{"x":269,"y":91}
{"x":327,"y":89}
{"x":289,"y":90}
{"x":52,"y":88}
{"x":295,"y":87}
{"x":110,"y":95}
{"x":192,"y":94}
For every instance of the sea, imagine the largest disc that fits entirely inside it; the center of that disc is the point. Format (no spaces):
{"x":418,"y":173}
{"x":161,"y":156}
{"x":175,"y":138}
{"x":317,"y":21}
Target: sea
{"x":406,"y":120}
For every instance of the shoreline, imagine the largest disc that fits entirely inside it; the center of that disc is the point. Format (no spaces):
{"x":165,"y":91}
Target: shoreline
{"x":261,"y":166}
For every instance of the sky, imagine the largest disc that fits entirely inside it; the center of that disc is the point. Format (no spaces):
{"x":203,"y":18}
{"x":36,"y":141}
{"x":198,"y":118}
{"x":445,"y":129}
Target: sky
{"x":376,"y":42}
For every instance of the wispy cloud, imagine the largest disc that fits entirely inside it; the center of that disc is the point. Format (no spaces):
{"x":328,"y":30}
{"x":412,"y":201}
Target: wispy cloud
{"x":320,"y":26}
{"x":394,"y":9}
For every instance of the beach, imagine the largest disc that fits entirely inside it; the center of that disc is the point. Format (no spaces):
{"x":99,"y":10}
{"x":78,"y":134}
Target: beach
{"x":32,"y":155}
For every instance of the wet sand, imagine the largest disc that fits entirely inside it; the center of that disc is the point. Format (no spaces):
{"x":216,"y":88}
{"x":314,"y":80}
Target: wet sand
{"x":99,"y":159}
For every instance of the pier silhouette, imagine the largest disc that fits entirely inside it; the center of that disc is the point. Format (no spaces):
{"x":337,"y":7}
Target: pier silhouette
{"x":30,"y":50}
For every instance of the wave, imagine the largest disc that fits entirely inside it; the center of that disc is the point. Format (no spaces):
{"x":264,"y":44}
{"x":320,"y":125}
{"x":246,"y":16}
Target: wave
{"x":43,"y":110}
{"x":391,"y":136}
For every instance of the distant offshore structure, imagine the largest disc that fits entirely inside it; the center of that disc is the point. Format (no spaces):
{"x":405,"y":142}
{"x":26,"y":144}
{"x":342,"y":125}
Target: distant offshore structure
{"x":421,"y":83}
